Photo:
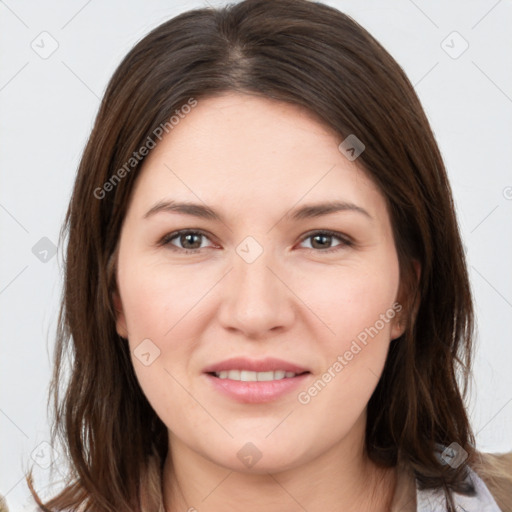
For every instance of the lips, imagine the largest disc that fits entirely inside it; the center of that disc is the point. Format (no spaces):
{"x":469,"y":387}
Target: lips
{"x":255,"y":381}
{"x":269,"y":364}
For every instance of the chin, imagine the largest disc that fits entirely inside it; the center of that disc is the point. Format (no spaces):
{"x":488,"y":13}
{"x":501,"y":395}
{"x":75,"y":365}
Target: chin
{"x":259,"y":456}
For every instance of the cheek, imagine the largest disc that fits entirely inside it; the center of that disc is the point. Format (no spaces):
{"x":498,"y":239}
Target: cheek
{"x":359,"y":307}
{"x":158,"y":299}
{"x":350,"y":299}
{"x":166,"y":306}
{"x":162,"y":308}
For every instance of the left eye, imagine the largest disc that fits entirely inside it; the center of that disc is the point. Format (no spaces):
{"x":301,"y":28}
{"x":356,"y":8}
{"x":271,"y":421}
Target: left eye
{"x":323,"y":238}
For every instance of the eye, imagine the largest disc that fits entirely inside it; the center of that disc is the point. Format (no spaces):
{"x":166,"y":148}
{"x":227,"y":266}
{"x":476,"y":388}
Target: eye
{"x":189,"y":240}
{"x":322,"y":239}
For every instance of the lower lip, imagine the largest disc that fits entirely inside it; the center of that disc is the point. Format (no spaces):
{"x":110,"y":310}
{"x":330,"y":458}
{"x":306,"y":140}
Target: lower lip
{"x":256,"y":392}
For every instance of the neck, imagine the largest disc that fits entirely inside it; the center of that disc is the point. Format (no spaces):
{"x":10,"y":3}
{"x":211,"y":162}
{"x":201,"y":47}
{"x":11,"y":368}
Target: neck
{"x":341,"y":479}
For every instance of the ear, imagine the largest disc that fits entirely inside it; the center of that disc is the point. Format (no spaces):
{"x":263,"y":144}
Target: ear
{"x":407,"y":305}
{"x":121,"y":328}
{"x":398,"y":326}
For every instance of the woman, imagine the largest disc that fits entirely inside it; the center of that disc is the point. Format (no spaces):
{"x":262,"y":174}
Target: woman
{"x":304,"y":352}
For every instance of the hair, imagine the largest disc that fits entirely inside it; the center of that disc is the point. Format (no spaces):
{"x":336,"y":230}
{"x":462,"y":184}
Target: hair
{"x":313,"y":56}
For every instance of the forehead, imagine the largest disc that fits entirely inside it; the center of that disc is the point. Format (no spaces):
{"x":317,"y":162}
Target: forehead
{"x":243,"y":151}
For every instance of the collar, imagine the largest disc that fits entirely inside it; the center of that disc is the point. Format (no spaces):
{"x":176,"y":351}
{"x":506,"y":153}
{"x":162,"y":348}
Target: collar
{"x":432,"y":500}
{"x":408,"y":496}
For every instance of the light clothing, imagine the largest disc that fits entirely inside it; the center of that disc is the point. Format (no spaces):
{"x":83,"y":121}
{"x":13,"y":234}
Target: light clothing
{"x":432,"y":501}
{"x":410,"y":498}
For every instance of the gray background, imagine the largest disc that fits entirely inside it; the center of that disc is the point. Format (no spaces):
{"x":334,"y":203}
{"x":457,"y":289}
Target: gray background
{"x":47,"y":105}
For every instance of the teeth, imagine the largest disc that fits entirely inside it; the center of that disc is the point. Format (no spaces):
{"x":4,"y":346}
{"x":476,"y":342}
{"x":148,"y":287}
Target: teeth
{"x":248,"y":376}
{"x":260,"y":376}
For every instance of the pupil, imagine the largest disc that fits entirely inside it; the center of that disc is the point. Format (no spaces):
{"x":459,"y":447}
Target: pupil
{"x":322,"y":237}
{"x":187,"y":238}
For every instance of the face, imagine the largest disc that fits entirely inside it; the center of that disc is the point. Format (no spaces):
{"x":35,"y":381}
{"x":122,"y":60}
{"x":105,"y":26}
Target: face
{"x":258,"y":321}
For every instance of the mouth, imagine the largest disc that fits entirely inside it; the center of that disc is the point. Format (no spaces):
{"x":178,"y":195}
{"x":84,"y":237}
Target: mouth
{"x":251,"y":376}
{"x":252,"y":381}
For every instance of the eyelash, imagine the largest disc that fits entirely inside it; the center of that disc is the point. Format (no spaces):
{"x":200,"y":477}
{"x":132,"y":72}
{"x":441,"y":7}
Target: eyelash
{"x":166,"y":240}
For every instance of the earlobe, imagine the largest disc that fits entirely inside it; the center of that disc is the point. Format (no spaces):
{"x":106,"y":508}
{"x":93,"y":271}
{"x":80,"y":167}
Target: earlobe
{"x":398,"y":324}
{"x":120,"y":317}
{"x":397,"y":329}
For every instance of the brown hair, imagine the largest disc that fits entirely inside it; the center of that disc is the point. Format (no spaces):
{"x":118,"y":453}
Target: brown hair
{"x":310,"y":55}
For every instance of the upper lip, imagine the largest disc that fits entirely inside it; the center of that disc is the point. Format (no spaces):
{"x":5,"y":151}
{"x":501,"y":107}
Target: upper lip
{"x":268,"y":364}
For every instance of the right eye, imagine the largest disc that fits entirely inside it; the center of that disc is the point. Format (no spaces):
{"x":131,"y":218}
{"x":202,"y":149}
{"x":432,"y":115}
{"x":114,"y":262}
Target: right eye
{"x":187,"y":238}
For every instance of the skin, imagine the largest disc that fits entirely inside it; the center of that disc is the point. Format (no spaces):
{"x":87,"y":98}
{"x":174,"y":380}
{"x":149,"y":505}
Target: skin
{"x":253,"y":160}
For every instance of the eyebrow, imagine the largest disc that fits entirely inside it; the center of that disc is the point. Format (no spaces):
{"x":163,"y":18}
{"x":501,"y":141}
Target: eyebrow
{"x":308,"y":211}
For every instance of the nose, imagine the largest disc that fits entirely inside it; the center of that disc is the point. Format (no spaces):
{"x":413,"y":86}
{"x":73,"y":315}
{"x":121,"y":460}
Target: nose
{"x":256,"y":298}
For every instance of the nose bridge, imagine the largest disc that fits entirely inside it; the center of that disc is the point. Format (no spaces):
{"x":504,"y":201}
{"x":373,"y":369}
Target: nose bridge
{"x":255,"y":299}
{"x":255,"y":278}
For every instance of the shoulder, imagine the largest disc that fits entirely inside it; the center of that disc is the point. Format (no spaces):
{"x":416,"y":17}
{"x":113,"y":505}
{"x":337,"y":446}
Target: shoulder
{"x":491,"y":477}
{"x":489,"y":474}
{"x":496,"y":472}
